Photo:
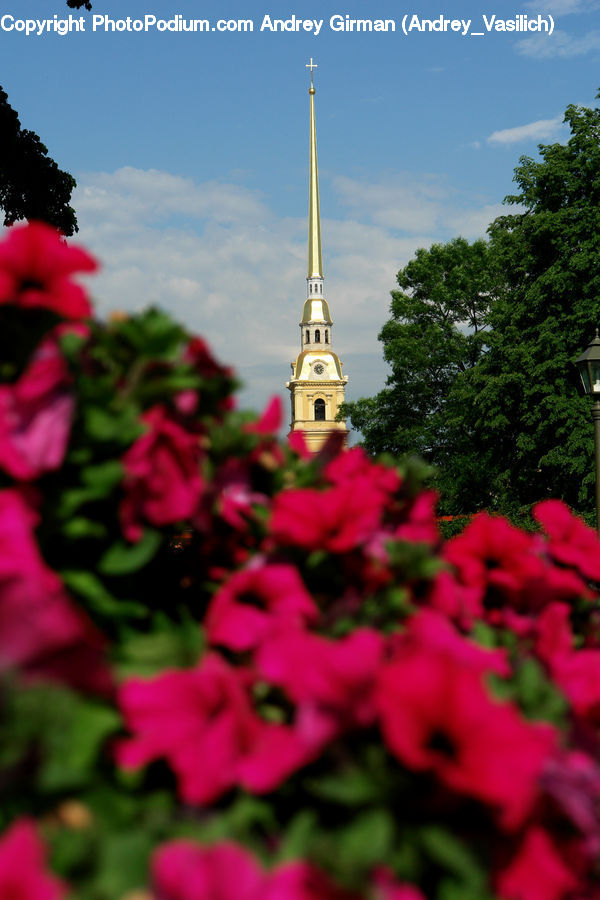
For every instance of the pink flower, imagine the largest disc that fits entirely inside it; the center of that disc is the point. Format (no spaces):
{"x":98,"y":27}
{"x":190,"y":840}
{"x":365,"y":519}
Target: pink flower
{"x":40,"y":631}
{"x":35,"y":269}
{"x":354,"y":463}
{"x":162,"y":477}
{"x":537,"y":872}
{"x":554,"y":635}
{"x":331,"y":681}
{"x":183,"y":870}
{"x":338,"y":519}
{"x":276,"y":752}
{"x":430,"y":631}
{"x":199,"y":355}
{"x":437,"y":716}
{"x":23,"y":872}
{"x":572,"y":779}
{"x":570,"y":541}
{"x":455,"y":601}
{"x":578,"y":676}
{"x":35,"y":416}
{"x":493,"y":555}
{"x":420,"y":525}
{"x":388,"y":888}
{"x":302,"y":881}
{"x":576,"y":671}
{"x":297,"y":443}
{"x":256,"y":600}
{"x":499,"y":566}
{"x":199,"y":720}
{"x":270,"y":420}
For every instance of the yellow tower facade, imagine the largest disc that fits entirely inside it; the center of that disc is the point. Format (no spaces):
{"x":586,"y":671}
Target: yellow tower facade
{"x":317,"y":385}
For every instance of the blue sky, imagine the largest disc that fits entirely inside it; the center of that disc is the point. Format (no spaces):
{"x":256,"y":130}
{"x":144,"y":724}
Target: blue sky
{"x":191,"y":153}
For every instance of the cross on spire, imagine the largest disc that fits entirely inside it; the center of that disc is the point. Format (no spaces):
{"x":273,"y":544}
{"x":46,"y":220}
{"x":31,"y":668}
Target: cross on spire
{"x":311,"y":65}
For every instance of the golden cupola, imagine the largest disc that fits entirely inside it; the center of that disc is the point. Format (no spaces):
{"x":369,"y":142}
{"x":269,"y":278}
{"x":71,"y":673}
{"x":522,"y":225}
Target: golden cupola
{"x":317,"y":384}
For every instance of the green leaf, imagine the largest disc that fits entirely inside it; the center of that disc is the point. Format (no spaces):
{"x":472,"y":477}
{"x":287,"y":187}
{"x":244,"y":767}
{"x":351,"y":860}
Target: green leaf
{"x":80,"y":527}
{"x":105,"y":425}
{"x":297,"y":837}
{"x":103,"y":476}
{"x":367,"y":840}
{"x":71,"y":500}
{"x":350,"y":788}
{"x":123,"y":858}
{"x":168,"y":645}
{"x":123,"y":558}
{"x":89,"y":587}
{"x":450,"y":853}
{"x":72,"y":750}
{"x":484,"y":634}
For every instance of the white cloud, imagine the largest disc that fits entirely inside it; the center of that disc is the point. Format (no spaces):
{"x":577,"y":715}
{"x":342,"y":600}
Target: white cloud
{"x":219,"y":259}
{"x":426,"y":209}
{"x":399,"y":203}
{"x":563,"y":7}
{"x":558,"y":45}
{"x":473,"y":223}
{"x":543,"y":128}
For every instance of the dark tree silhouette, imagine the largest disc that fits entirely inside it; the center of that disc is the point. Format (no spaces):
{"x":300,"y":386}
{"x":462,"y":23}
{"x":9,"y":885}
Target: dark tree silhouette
{"x":77,"y":4}
{"x":31,"y":184}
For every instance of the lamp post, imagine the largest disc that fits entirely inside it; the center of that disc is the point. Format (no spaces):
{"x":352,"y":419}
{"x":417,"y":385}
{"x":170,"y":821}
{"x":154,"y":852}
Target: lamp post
{"x":589,"y":369}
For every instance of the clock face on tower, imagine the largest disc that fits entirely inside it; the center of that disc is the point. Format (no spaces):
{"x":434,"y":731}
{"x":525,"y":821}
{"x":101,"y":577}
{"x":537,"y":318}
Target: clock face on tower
{"x":319,"y":369}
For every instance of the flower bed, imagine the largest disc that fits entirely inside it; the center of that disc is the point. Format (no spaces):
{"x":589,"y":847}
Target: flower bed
{"x":308,"y":696}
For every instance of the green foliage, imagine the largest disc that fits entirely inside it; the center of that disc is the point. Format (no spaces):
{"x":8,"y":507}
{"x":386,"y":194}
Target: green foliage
{"x":529,"y":418}
{"x":437,"y":330}
{"x":482,"y":340}
{"x":31,"y":184}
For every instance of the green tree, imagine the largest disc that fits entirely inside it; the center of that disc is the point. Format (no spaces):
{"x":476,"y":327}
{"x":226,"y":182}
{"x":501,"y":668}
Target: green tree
{"x":531,"y":421}
{"x":31,"y":184}
{"x":497,"y":407}
{"x":436,"y":332}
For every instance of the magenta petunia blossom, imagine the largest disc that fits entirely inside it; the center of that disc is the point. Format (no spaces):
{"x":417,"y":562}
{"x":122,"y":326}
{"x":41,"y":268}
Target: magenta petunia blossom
{"x":255,"y":601}
{"x":300,"y":880}
{"x":387,"y":887}
{"x":35,"y":416}
{"x":331,"y":681}
{"x":162,"y":481}
{"x":505,"y":575}
{"x":337,"y":519}
{"x":41,"y":632}
{"x":554,"y":636}
{"x":36,"y":265}
{"x":537,"y":872}
{"x":199,"y":720}
{"x":355,"y":464}
{"x":491,"y":554}
{"x":436,"y":715}
{"x":420,"y":526}
{"x":183,"y":870}
{"x":270,"y":420}
{"x":429,"y":629}
{"x":570,"y":541}
{"x":576,"y":671}
{"x":23,"y":871}
{"x":578,"y":676}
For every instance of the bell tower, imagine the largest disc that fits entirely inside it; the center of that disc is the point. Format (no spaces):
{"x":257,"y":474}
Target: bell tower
{"x":317,"y":385}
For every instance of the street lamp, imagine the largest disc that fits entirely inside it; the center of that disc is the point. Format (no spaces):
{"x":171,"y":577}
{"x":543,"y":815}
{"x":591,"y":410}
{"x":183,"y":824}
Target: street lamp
{"x":589,"y":369}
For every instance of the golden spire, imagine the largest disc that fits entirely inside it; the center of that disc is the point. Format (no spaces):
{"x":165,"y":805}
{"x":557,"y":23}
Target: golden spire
{"x":315,"y":262}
